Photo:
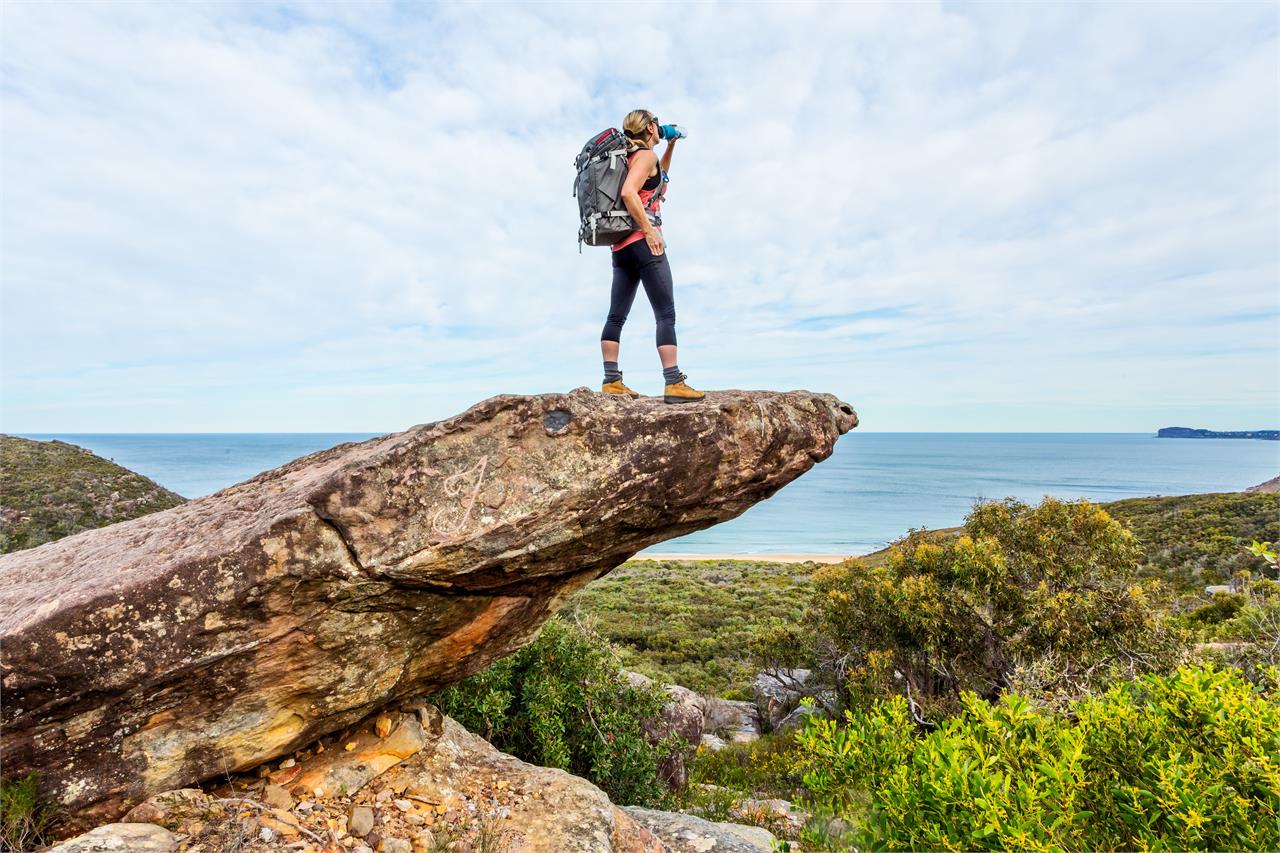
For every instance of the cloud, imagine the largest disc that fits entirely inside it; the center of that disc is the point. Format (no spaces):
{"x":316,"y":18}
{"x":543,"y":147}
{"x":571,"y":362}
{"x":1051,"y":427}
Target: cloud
{"x":262,"y":217}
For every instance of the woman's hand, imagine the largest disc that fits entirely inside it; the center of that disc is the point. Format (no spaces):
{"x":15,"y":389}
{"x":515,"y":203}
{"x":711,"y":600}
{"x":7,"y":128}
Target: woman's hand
{"x":654,"y":239}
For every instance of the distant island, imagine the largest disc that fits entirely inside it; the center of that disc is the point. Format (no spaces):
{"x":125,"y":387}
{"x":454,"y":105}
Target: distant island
{"x":1186,"y":432}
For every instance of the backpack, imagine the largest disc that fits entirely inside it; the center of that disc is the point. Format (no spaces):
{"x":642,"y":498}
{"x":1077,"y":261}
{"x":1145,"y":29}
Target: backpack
{"x":602,"y":167}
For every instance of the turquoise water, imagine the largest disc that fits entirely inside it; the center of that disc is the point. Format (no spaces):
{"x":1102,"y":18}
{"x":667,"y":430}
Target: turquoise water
{"x":872,"y":489}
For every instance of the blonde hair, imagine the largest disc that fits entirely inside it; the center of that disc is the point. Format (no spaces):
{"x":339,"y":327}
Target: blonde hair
{"x":635,"y":126}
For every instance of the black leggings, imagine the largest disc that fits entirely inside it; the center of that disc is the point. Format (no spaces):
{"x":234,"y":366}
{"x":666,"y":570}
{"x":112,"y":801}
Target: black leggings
{"x":631,"y":265}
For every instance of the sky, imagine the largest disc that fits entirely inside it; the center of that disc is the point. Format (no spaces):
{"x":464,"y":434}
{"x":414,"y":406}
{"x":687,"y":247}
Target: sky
{"x":314,"y":217}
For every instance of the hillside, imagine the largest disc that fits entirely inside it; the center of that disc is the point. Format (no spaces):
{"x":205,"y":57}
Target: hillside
{"x":51,"y":489}
{"x":690,"y":622}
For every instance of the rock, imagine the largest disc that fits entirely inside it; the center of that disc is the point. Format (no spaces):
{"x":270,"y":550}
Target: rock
{"x":395,"y":845}
{"x":773,"y":812}
{"x":777,"y":691}
{"x":232,"y":629}
{"x":277,"y":797}
{"x":738,"y":722}
{"x":796,"y":719}
{"x":713,"y":743}
{"x":180,"y":810}
{"x":360,"y":821}
{"x":121,"y":838}
{"x":683,"y":715}
{"x":682,"y":833}
{"x":344,"y":773}
{"x":564,"y":813}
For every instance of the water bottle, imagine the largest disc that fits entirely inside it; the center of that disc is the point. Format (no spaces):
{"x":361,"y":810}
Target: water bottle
{"x":671,"y":131}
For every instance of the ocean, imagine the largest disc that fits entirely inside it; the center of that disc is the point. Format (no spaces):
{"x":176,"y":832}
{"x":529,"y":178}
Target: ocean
{"x":868,"y":493}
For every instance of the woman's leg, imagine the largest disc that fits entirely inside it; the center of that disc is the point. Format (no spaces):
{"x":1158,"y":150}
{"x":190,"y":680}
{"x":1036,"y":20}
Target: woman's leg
{"x":622,"y":294}
{"x":656,"y":275}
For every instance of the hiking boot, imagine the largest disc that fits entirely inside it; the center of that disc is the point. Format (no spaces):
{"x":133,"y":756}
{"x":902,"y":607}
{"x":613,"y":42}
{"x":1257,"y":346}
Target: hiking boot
{"x":616,"y":387}
{"x":678,"y":392}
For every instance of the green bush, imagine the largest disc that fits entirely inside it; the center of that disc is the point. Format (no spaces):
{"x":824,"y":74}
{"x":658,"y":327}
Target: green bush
{"x":1189,"y":761}
{"x":563,"y":701}
{"x":1043,"y":598}
{"x":25,"y":816}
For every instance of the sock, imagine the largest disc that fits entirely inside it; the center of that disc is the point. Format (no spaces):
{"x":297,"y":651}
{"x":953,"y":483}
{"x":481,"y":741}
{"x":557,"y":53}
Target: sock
{"x":611,"y":371}
{"x":671,"y":374}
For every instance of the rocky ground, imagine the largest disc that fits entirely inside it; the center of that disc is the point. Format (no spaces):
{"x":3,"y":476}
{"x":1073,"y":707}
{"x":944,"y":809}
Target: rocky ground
{"x":407,"y":781}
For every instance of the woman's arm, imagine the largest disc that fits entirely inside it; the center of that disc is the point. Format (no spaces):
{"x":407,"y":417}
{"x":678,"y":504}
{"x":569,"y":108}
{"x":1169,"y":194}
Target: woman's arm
{"x":666,"y":155}
{"x":641,"y":166}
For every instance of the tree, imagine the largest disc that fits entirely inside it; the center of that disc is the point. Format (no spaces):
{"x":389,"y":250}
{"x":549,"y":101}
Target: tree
{"x":1042,"y":597}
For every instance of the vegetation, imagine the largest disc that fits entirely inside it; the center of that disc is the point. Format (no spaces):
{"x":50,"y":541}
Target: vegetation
{"x":26,"y":818}
{"x":51,"y":489}
{"x":1192,"y":541}
{"x":685,"y":622}
{"x":563,"y":701}
{"x":695,"y":623}
{"x":1044,"y":596}
{"x":1189,"y":761}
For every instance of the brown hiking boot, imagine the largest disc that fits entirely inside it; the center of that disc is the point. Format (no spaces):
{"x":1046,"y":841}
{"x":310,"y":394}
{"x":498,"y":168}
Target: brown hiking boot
{"x":616,"y":387}
{"x":678,"y":392}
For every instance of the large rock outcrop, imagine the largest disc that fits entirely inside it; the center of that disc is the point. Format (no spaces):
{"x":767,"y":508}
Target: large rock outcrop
{"x":218,"y":634}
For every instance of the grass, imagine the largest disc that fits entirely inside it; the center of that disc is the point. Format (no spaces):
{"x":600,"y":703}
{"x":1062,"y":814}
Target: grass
{"x":25,"y":816}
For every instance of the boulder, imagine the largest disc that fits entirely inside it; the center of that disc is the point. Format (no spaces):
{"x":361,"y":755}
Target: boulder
{"x":683,"y":833}
{"x":796,"y":719}
{"x":684,"y":716}
{"x":223,"y":632}
{"x":733,"y":720}
{"x":121,"y":838}
{"x":777,"y":691}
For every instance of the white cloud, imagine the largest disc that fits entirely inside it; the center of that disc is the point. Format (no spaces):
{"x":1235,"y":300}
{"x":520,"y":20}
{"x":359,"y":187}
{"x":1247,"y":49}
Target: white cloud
{"x":357,"y":216}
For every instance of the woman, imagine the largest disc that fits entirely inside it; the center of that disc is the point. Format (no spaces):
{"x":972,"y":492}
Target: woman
{"x":640,"y":257}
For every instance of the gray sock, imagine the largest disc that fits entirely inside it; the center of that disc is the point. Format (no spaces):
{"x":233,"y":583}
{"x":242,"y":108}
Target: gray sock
{"x":672,"y":374}
{"x":611,"y":371}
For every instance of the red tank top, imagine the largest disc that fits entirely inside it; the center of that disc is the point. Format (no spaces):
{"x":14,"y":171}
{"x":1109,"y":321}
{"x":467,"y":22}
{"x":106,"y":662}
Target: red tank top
{"x":645,"y":196}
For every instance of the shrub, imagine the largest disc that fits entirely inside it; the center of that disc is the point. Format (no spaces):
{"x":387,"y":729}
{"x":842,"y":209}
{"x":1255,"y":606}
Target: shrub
{"x":25,"y":816}
{"x":1041,"y":597}
{"x":1189,"y":761}
{"x":563,"y":701}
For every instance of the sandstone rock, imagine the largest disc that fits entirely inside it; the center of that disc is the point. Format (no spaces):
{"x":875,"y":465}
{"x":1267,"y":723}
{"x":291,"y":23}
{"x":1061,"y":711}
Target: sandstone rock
{"x":221,"y":633}
{"x":347,"y":772}
{"x":777,"y":691}
{"x":713,"y":743}
{"x":736,"y":721}
{"x":277,"y":797}
{"x":360,"y":821}
{"x":565,"y":814}
{"x":121,"y":838}
{"x":683,"y":715}
{"x":796,"y":719}
{"x":682,"y":833}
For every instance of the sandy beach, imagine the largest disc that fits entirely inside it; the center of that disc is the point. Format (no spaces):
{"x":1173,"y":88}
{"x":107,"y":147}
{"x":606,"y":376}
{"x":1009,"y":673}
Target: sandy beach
{"x":755,"y":558}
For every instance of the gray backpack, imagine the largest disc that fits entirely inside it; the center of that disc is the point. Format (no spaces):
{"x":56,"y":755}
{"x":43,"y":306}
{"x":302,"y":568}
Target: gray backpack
{"x":602,"y":167}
